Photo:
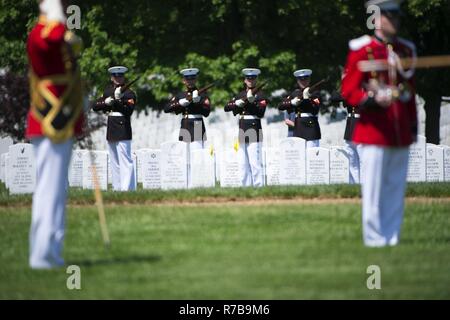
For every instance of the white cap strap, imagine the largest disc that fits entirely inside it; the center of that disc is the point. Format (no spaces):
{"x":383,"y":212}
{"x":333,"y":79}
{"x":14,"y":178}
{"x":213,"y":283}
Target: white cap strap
{"x":307,"y":115}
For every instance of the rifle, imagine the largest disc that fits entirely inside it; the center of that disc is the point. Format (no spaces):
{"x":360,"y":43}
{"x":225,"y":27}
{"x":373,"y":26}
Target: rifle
{"x":256,"y":89}
{"x":122,"y":90}
{"x":128,"y":85}
{"x":313,"y":87}
{"x":200,"y":91}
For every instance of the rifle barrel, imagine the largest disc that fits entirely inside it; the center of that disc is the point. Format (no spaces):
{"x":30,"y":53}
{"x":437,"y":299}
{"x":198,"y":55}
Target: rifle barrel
{"x":317,"y":84}
{"x":259,"y":87}
{"x":200,"y":91}
{"x":125,"y":87}
{"x":209,"y":86}
{"x":314,"y":86}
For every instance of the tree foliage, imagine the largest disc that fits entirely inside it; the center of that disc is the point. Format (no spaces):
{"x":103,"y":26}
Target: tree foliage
{"x":12,"y":97}
{"x":156,"y":39}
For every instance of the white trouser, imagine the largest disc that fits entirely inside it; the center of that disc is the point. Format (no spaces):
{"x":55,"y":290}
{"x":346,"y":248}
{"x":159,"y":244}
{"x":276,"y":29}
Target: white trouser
{"x":353,"y":152}
{"x":312,"y":143}
{"x":383,"y":191}
{"x":49,"y":203}
{"x":250,"y":162}
{"x":122,"y":165}
{"x":194,"y":145}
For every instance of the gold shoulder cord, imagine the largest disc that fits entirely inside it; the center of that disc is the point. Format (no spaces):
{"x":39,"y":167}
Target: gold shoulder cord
{"x":370,"y":57}
{"x":373,"y":81}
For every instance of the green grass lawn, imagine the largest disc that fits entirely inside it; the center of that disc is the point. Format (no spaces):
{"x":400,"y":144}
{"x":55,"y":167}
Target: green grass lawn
{"x":80,"y":196}
{"x":267,"y":251}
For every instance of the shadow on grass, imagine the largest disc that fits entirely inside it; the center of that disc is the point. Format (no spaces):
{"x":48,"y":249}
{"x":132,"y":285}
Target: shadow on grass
{"x":115,"y":260}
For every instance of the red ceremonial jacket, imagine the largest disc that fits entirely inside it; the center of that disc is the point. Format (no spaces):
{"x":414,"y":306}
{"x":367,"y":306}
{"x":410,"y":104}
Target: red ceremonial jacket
{"x":395,"y":126}
{"x":47,"y":57}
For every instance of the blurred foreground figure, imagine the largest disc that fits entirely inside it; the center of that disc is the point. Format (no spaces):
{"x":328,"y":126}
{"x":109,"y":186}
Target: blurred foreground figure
{"x":353,"y":150}
{"x":387,"y":126}
{"x":55,"y":116}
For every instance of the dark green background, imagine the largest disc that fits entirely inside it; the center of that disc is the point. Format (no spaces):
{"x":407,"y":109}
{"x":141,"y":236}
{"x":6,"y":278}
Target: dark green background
{"x":222,"y":36}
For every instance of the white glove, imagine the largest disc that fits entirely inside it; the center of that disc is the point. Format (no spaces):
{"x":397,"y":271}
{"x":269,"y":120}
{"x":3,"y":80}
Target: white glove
{"x":306,"y":94}
{"x":53,"y":9}
{"x":118,"y":93}
{"x":109,"y":101}
{"x":195,"y":96}
{"x":239,"y":103}
{"x":384,"y":97}
{"x":184,"y":102}
{"x":295,"y":101}
{"x":250,"y":96}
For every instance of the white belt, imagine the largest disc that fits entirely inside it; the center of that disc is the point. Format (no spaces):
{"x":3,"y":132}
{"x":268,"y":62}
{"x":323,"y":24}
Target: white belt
{"x":194,"y":116}
{"x":248,"y":117}
{"x":307,"y":115}
{"x":115,"y":114}
{"x":355,"y":115}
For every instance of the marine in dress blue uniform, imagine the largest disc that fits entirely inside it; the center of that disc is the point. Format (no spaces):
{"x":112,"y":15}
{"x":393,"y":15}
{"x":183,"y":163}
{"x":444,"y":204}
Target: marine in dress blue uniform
{"x":305,"y":105}
{"x":193,"y":106}
{"x":119,"y":107}
{"x":250,"y":108}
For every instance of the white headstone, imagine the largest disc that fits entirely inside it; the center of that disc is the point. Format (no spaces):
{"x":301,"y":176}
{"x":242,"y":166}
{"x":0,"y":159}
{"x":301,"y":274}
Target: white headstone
{"x":417,"y":161}
{"x":317,"y":165}
{"x":4,"y":148}
{"x":230,"y":175}
{"x":76,"y":168}
{"x":264,"y":166}
{"x":215,"y":144}
{"x":100,"y":162}
{"x":6,"y":157}
{"x":151,"y":168}
{"x":173,"y":165}
{"x":110,"y":179}
{"x":21,"y":168}
{"x":435,"y":163}
{"x":202,"y":169}
{"x":3,"y":167}
{"x":292,"y":161}
{"x":217,"y":162}
{"x":139,"y":153}
{"x":272,"y":156}
{"x":134,"y":159}
{"x":446,"y":163}
{"x":339,"y":166}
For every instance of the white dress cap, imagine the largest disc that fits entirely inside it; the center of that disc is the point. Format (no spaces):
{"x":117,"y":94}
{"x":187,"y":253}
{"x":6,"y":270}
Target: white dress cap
{"x":303,"y":73}
{"x":189,"y":72}
{"x":118,"y":69}
{"x":251,"y":72}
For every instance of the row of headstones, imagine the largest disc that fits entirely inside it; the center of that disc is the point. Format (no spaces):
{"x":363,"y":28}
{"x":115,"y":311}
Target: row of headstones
{"x":167,"y":168}
{"x":428,"y":162}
